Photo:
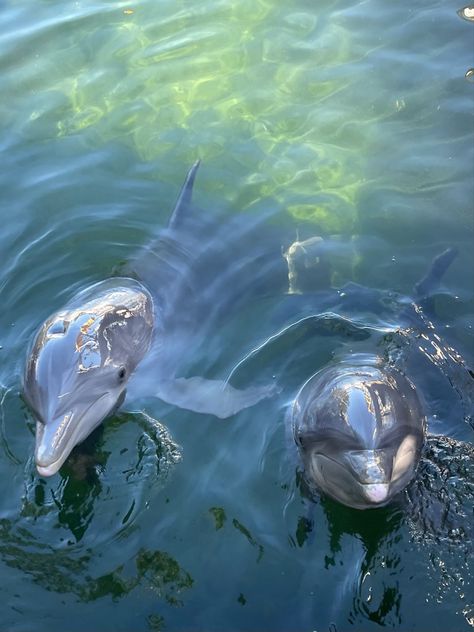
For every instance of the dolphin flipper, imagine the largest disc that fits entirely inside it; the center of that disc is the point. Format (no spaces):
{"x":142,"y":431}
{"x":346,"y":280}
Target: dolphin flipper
{"x":214,"y":397}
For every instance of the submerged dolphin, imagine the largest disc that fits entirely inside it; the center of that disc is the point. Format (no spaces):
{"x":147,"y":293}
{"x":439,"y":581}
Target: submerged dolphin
{"x":83,"y":355}
{"x":360,"y":428}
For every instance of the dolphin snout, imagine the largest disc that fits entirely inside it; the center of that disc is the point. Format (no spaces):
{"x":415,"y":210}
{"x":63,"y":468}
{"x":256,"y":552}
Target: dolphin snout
{"x":56,"y":438}
{"x":50,"y":452}
{"x":372,"y":469}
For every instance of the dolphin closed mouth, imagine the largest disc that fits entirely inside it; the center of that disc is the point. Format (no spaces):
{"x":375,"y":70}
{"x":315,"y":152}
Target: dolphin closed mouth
{"x":56,"y":438}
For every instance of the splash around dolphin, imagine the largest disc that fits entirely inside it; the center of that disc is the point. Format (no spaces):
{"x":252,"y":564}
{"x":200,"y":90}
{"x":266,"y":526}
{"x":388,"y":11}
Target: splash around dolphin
{"x":83,"y":355}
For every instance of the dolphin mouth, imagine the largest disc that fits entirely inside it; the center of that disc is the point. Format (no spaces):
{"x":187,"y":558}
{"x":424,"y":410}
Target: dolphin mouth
{"x":55,"y":440}
{"x":377,"y":493}
{"x":52,"y":468}
{"x":52,"y":443}
{"x":343,"y":484}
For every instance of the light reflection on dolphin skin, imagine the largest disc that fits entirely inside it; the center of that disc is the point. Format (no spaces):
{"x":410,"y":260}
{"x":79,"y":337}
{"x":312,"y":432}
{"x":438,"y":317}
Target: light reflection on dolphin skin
{"x":83,"y":355}
{"x":467,"y":13}
{"x":360,"y":429}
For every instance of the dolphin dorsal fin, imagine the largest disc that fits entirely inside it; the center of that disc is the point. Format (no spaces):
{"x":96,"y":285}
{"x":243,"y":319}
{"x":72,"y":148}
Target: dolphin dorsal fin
{"x":184,"y":198}
{"x":431,"y":281}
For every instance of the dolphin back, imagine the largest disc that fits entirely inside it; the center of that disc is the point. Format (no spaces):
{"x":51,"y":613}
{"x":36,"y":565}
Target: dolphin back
{"x":197,"y":272}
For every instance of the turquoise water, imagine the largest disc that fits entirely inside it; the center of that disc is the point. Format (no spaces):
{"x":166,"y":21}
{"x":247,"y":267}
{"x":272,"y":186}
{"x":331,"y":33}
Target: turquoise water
{"x":353,"y":120}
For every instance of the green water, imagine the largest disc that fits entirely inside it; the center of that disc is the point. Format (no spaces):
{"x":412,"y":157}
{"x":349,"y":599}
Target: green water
{"x":330,"y":118}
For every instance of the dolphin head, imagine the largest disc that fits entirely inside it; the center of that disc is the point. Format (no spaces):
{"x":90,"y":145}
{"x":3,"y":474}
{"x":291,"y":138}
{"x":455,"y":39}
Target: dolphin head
{"x":79,"y":364}
{"x":360,"y":429}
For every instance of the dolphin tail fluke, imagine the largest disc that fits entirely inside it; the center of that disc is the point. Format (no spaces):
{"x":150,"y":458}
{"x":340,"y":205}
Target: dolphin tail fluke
{"x":430,"y":282}
{"x":184,"y":199}
{"x":213,"y":397}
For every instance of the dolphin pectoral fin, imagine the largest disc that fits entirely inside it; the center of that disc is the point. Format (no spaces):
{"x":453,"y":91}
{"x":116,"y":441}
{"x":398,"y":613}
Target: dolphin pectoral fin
{"x":214,"y":397}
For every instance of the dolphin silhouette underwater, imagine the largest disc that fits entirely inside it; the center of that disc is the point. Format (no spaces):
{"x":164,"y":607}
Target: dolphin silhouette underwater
{"x":84,"y":355}
{"x":359,"y":423}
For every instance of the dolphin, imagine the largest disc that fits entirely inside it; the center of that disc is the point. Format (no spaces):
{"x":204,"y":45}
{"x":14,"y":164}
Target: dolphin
{"x":84,"y":355}
{"x":360,"y":428}
{"x":360,"y":424}
{"x":80,"y":362}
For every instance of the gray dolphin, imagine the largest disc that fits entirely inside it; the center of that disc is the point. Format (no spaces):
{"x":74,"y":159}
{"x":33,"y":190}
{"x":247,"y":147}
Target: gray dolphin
{"x":83,"y":355}
{"x":80,"y":363}
{"x":360,"y":428}
{"x":360,"y":425}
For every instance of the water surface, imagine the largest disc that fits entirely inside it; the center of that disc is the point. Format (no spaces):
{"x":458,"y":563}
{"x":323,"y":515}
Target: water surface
{"x":347,"y":119}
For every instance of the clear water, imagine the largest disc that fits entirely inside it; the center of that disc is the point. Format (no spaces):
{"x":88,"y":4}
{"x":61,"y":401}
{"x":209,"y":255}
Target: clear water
{"x":333,"y":118}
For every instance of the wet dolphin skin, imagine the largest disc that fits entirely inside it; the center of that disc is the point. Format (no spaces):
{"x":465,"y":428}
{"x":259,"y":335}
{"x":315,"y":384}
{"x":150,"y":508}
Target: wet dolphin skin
{"x":360,"y":429}
{"x":80,"y":363}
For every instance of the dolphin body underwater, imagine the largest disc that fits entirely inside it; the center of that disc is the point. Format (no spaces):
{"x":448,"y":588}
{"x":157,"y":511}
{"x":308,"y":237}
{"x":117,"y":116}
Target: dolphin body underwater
{"x":83,"y":355}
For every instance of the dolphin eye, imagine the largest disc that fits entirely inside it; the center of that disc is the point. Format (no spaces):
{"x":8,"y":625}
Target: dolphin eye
{"x":122,"y":373}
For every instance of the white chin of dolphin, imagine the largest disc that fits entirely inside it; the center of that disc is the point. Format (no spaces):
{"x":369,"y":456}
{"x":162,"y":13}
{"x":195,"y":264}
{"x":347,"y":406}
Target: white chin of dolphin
{"x":52,"y":468}
{"x":376,"y":493}
{"x":46,"y":466}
